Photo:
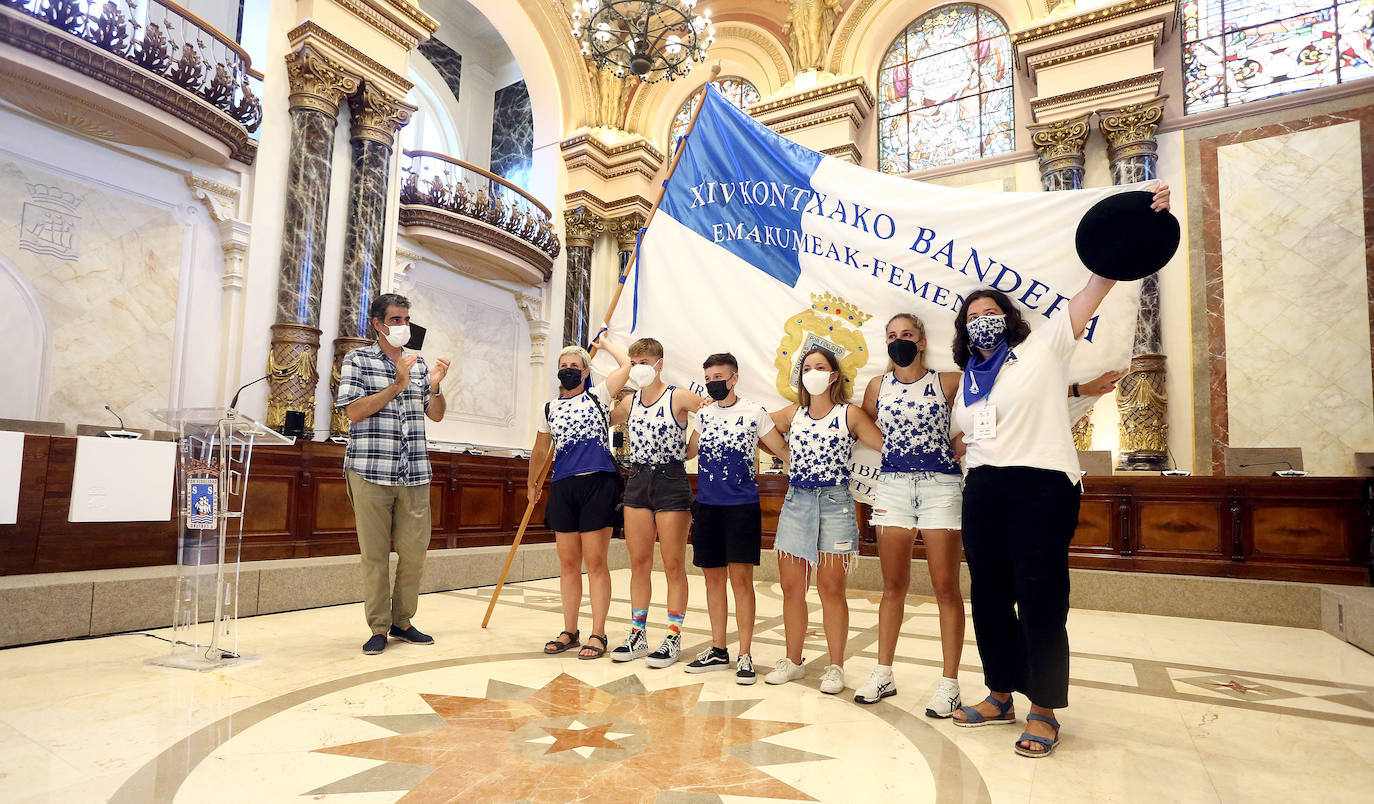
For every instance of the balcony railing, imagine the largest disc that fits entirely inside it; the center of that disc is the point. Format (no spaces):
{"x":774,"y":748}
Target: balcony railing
{"x":442,"y":182}
{"x":168,"y":41}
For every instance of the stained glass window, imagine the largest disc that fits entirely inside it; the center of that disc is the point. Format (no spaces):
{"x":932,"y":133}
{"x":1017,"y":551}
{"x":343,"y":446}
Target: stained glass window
{"x":945,"y":91}
{"x":1236,"y":51}
{"x":735,"y":89}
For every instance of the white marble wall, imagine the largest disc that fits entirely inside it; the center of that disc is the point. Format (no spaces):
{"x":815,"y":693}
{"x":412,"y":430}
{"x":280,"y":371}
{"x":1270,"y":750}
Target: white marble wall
{"x":101,"y":271}
{"x":1296,"y":296}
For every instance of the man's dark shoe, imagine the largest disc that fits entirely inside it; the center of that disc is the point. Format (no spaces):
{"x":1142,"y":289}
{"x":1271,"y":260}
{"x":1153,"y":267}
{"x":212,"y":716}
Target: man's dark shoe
{"x":411,"y":635}
{"x":375,"y":644}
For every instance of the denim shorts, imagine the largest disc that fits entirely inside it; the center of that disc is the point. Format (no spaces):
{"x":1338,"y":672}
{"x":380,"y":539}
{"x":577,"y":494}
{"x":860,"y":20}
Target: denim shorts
{"x":817,"y":521}
{"x":924,"y":500}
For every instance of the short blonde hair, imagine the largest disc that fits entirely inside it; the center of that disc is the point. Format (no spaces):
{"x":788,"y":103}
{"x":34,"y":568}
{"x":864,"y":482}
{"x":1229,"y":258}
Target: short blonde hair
{"x":646,"y":347}
{"x":580,"y":352}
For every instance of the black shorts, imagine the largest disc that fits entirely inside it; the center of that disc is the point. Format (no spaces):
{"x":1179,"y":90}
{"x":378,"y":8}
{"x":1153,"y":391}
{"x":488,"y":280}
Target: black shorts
{"x":582,"y":503}
{"x":726,"y":534}
{"x":659,"y":487}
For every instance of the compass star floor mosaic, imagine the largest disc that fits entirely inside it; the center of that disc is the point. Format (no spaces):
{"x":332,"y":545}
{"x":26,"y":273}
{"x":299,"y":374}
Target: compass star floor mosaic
{"x":1163,"y":709}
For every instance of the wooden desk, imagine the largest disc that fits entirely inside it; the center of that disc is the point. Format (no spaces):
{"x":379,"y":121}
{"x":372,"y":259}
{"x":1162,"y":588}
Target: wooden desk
{"x":1303,"y":529}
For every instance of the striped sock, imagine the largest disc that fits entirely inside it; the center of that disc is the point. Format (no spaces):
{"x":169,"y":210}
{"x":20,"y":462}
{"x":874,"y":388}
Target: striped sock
{"x":637,"y":618}
{"x":675,"y":619}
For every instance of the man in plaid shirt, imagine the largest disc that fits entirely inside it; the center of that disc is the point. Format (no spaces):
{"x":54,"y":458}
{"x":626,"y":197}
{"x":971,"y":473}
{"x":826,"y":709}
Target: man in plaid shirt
{"x":387,"y":394}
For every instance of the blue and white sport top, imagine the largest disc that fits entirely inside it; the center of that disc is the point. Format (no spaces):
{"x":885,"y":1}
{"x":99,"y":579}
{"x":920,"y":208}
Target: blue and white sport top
{"x":914,"y":420}
{"x":656,"y":436}
{"x":728,"y":442}
{"x":580,"y":428}
{"x":819,"y":449}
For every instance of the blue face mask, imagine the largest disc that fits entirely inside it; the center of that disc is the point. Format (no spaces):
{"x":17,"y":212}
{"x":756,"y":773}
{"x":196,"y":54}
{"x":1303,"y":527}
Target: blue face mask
{"x":986,"y":331}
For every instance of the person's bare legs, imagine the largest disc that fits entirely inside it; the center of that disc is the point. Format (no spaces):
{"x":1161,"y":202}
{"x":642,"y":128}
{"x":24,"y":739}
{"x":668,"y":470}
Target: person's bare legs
{"x":673,"y":527}
{"x":894,"y":556}
{"x":831,"y":577}
{"x":742,"y":584}
{"x":793,"y":577}
{"x":944,"y":552}
{"x":717,"y":606}
{"x":595,"y":545}
{"x":639,"y":541}
{"x":569,"y":547}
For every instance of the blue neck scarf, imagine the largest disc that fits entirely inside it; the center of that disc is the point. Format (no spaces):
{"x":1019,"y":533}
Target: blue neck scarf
{"x":981,"y":373}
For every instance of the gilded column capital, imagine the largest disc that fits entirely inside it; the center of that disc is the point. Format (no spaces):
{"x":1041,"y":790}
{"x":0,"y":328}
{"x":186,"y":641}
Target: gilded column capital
{"x":317,"y":82}
{"x":1130,"y":130}
{"x":376,"y":115}
{"x":626,"y":229}
{"x":581,"y":227}
{"x":1060,"y":144}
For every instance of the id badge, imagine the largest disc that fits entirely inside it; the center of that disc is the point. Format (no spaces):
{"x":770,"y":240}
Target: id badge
{"x":985,"y":422}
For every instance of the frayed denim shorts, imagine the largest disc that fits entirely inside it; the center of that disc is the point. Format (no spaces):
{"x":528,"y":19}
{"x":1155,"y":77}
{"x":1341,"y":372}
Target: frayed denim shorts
{"x":816,"y":522}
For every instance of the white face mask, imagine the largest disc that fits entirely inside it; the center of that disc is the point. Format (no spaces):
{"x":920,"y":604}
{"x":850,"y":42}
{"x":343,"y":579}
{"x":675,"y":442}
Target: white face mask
{"x":398,"y":336}
{"x":816,"y":381}
{"x":643,"y":375}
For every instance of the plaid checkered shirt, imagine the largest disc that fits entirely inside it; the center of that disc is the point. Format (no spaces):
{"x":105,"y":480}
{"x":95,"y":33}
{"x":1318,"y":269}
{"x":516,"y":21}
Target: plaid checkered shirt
{"x":387,"y":448}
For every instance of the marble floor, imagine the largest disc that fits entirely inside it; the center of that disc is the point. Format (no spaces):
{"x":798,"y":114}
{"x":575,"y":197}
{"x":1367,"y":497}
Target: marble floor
{"x":1163,"y":709}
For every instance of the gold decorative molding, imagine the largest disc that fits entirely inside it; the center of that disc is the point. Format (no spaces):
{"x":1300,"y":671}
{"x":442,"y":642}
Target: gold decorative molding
{"x":626,"y":229}
{"x":1094,"y":46}
{"x":1074,"y":102}
{"x":853,"y":16}
{"x":1144,"y":406}
{"x":377,"y":116}
{"x":608,"y":209}
{"x":338,"y":419}
{"x":581,"y":227}
{"x":1130,"y":130}
{"x":1085,"y":19}
{"x":849,"y":152}
{"x":398,"y":20}
{"x":318,"y":83}
{"x":856,"y":82}
{"x":1060,"y":144}
{"x":292,"y":373}
{"x":220,"y":199}
{"x":763,"y":39}
{"x":416,"y":218}
{"x":588,"y":152}
{"x":366,"y":65}
{"x":1083,"y":432}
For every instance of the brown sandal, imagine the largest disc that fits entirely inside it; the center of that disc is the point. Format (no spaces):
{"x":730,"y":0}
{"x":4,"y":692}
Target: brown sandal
{"x":555,"y":646}
{"x":596,"y":653}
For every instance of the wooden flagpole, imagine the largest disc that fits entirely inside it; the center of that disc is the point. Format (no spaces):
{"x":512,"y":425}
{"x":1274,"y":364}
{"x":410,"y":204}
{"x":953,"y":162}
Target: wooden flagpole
{"x":543,"y":470}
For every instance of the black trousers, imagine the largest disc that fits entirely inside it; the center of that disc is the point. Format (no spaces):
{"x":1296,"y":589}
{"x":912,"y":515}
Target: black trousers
{"x":1018,"y":523}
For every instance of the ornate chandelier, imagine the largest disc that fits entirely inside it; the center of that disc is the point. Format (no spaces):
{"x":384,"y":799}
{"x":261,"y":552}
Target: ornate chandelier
{"x":652,"y":39}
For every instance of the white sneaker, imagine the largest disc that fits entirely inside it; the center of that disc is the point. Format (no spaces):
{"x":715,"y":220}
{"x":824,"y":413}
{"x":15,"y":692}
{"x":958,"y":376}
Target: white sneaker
{"x":784,"y":671}
{"x":833,"y":680}
{"x":945,"y":701}
{"x":634,"y":646}
{"x":667,"y":653}
{"x":879,"y":686}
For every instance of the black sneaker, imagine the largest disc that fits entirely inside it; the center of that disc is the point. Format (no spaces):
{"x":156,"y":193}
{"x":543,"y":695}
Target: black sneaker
{"x":634,"y":646}
{"x":375,"y":644}
{"x":744,"y":670}
{"x":411,"y":635}
{"x":667,"y":653}
{"x":708,"y":660}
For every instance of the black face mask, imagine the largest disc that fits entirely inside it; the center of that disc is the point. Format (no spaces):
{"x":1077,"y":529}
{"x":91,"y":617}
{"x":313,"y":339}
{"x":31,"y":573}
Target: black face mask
{"x":717,"y":389}
{"x":569,"y":378}
{"x":903,"y":352}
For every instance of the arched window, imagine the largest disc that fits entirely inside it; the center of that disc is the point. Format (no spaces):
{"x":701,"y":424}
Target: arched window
{"x":1245,"y":50}
{"x":944,"y":91}
{"x":735,"y":89}
{"x":430,"y":128}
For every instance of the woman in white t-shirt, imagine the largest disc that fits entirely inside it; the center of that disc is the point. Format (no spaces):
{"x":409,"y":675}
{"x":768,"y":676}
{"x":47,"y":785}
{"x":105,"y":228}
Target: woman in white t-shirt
{"x":1021,"y":490}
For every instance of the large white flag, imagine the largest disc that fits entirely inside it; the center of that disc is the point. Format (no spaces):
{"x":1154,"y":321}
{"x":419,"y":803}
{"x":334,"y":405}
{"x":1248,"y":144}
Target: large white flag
{"x":764,"y":249}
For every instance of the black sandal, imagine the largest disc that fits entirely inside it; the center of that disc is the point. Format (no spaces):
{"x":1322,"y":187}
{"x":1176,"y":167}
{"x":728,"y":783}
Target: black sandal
{"x":554,"y":646}
{"x":597,"y":653}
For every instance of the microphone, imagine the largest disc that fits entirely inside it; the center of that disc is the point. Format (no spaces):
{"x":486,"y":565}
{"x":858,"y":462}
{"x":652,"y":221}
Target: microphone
{"x":234,"y":403}
{"x":122,"y":432}
{"x":1289,"y":472}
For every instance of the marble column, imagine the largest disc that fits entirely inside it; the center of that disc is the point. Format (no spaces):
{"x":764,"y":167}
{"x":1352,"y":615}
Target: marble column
{"x":626,"y":230}
{"x":581,"y":228}
{"x":1060,"y":146}
{"x":318,"y":86}
{"x":1141,"y":396}
{"x":376,"y":119}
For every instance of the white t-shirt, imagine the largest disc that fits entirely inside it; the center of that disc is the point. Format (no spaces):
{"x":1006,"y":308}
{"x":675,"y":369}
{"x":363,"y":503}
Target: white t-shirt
{"x":1030,"y":397}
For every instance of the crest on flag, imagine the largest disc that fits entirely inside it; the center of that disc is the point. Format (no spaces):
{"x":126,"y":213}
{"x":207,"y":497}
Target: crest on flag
{"x":830,"y":323}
